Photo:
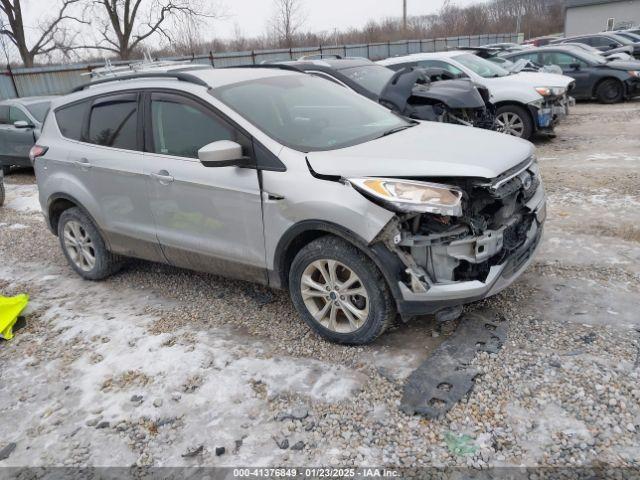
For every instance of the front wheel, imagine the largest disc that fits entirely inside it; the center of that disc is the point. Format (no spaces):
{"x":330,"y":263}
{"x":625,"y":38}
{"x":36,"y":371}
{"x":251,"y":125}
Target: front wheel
{"x":514,"y":120}
{"x":6,"y":169}
{"x":340,"y":292}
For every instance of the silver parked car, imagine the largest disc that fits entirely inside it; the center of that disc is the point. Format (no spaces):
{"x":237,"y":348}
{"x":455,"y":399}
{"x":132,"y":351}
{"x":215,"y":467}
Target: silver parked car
{"x":20,"y":123}
{"x":285,"y":179}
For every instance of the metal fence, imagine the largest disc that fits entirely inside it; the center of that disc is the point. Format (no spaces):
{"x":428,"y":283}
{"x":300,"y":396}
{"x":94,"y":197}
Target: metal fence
{"x":60,"y":79}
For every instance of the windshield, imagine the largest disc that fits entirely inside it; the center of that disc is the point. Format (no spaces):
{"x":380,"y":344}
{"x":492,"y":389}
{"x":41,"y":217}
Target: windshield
{"x":309,"y":114}
{"x":482,"y":67}
{"x":39,"y":110}
{"x":371,"y":77}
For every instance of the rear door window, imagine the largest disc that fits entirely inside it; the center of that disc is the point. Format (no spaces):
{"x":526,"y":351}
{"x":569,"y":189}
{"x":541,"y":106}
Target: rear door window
{"x":113,"y":121}
{"x":69,"y":120}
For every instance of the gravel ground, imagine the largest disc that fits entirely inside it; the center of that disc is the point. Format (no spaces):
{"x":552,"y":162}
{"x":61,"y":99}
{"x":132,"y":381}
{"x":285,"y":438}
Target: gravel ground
{"x":147,"y":367}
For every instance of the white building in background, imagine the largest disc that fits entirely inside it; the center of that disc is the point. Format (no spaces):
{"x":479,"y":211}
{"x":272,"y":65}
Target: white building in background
{"x":591,"y":16}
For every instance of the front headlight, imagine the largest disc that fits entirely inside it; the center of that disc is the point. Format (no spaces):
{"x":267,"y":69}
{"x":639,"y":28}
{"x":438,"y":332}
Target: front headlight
{"x":555,"y":91}
{"x":412,"y":196}
{"x":634,"y":73}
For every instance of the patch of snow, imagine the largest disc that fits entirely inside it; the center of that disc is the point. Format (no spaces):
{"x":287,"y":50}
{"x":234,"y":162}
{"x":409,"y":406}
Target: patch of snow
{"x":17,"y":226}
{"x":22,"y":198}
{"x":214,"y":384}
{"x":625,"y":157}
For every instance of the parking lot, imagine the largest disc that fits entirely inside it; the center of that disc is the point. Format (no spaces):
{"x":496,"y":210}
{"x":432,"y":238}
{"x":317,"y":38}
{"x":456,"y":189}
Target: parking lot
{"x":164,"y":366}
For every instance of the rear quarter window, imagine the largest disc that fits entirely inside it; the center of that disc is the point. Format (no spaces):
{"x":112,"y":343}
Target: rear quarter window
{"x":70,"y":120}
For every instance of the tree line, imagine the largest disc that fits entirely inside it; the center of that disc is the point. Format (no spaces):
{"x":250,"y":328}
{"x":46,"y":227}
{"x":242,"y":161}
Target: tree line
{"x":92,"y":29}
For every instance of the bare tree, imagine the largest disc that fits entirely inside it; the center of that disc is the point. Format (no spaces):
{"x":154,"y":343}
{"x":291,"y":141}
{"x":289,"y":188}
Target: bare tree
{"x":130,"y":22}
{"x":287,"y":21}
{"x":51,"y":33}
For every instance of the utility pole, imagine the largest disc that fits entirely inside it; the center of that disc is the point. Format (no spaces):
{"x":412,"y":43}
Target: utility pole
{"x":404,"y":15}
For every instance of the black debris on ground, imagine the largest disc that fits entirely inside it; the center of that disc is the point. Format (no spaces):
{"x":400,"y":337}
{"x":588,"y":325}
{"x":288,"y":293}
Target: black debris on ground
{"x":193,"y":452}
{"x":7,"y":451}
{"x":446,"y":376}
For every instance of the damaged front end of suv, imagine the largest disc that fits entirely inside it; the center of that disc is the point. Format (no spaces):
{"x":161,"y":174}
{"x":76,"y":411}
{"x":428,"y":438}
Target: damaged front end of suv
{"x":469,"y":238}
{"x":434,"y":95}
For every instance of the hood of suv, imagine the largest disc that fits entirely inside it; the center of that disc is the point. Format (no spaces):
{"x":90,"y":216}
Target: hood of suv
{"x":429,"y":149}
{"x":535,"y":79}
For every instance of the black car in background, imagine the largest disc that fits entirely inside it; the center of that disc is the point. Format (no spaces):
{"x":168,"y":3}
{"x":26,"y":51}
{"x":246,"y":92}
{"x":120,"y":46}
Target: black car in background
{"x":605,"y":42}
{"x":607,"y":81}
{"x":431,"y":95}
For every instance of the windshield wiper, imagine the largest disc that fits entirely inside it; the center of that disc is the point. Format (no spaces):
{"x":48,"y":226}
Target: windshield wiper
{"x":391,"y":131}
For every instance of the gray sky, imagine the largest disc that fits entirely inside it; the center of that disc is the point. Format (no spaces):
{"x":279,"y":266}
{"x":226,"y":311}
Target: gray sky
{"x":321,"y":15}
{"x":252,"y":16}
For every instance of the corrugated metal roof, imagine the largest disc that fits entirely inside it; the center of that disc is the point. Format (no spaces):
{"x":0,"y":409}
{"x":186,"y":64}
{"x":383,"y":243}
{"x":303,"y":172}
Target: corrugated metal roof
{"x":585,"y":3}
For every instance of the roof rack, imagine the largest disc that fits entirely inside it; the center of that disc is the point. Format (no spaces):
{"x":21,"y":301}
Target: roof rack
{"x":280,"y":66}
{"x":178,"y":75}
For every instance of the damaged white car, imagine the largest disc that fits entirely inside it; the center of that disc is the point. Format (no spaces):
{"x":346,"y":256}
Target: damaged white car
{"x":289,"y":180}
{"x":526,"y":102}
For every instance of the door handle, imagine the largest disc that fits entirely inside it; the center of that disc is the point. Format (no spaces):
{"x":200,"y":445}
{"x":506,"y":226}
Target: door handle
{"x":83,"y":164}
{"x":163,"y":177}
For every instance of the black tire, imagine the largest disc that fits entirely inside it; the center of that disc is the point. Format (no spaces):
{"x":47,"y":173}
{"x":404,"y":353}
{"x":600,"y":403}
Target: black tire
{"x":105,"y":263}
{"x":381,"y":306}
{"x":1,"y":191}
{"x":6,"y":169}
{"x":610,"y":91}
{"x":522,"y":114}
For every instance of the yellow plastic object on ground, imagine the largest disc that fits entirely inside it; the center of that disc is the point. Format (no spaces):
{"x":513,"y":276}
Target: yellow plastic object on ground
{"x":10,"y":308}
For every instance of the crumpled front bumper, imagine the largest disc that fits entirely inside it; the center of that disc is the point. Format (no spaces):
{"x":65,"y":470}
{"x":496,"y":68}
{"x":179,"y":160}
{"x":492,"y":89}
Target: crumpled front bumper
{"x":444,"y":295}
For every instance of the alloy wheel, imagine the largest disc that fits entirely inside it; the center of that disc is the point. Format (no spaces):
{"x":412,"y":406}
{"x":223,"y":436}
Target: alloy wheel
{"x":79,"y":246}
{"x":510,"y":123}
{"x":335,"y":296}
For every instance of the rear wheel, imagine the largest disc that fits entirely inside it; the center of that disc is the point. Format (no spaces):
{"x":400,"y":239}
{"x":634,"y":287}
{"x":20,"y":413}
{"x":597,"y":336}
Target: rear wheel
{"x":6,"y":169}
{"x":339,"y":292}
{"x":610,"y":91}
{"x":84,"y":247}
{"x":515,"y":121}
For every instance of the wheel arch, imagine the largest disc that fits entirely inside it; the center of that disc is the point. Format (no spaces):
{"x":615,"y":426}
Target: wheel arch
{"x":57,"y":204}
{"x":302,"y":233}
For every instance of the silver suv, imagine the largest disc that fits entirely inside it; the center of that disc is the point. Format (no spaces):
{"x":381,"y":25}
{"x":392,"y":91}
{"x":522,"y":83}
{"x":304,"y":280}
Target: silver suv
{"x":292,"y":181}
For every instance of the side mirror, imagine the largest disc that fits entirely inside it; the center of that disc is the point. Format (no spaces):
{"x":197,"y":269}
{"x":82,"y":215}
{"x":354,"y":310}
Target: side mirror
{"x":22,"y":124}
{"x":574,"y":66}
{"x":223,"y":153}
{"x":613,"y":45}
